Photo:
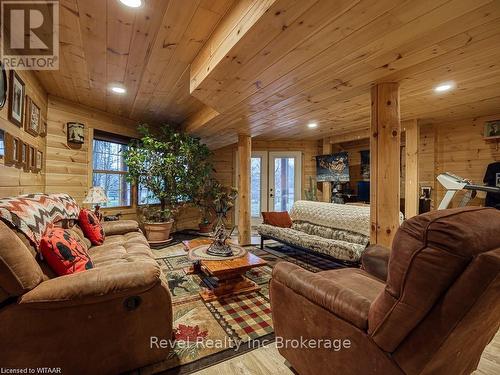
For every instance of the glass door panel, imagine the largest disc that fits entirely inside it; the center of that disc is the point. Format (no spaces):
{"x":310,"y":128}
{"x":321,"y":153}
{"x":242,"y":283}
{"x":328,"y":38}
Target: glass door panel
{"x":285,"y":171}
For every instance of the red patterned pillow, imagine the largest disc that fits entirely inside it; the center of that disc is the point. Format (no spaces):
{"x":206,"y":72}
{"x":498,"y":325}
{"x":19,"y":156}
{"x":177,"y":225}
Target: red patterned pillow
{"x":91,"y":226}
{"x":63,"y":253}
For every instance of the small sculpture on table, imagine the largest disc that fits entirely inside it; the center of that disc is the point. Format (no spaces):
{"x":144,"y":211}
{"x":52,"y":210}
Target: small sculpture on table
{"x":223,"y":203}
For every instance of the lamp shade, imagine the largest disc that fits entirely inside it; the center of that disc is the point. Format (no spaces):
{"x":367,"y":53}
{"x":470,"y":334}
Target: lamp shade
{"x":96,"y":195}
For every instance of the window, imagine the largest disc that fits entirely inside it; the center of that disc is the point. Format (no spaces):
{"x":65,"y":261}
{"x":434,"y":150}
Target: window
{"x":145,"y":196}
{"x":110,"y":170}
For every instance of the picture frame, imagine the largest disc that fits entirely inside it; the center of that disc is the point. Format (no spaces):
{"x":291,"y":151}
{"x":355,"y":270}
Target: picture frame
{"x":492,"y":129}
{"x":23,"y":159}
{"x":425,"y":191}
{"x":32,"y":118}
{"x":16,"y":99}
{"x":11,"y":150}
{"x":4,"y":84}
{"x":75,"y":132}
{"x":43,"y":126}
{"x":32,"y":158}
{"x":39,"y":161}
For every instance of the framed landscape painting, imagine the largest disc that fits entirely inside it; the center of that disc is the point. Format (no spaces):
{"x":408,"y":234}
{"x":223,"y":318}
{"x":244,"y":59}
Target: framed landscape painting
{"x":16,"y":99}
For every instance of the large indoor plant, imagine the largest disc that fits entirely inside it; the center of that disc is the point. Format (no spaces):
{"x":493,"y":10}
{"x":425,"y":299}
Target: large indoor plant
{"x":172,"y":165}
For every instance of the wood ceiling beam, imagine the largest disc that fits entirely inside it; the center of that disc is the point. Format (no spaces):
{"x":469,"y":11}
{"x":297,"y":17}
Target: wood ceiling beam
{"x":240,"y":18}
{"x":198,"y":119}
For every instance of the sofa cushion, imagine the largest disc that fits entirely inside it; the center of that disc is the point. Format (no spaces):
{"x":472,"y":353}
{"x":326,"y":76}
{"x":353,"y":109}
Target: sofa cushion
{"x":278,"y":219}
{"x":121,"y":248}
{"x":335,"y":248}
{"x":91,"y":226}
{"x":63,"y":252}
{"x":19,"y":271}
{"x":332,"y":233}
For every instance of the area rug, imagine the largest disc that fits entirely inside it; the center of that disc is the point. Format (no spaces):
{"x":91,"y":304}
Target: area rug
{"x":229,"y":326}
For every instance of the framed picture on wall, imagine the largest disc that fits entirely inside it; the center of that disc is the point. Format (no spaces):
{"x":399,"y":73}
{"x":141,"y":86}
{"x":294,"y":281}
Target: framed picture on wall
{"x":16,"y":99}
{"x":76,"y":132}
{"x":3,"y":86}
{"x":11,"y":149}
{"x":39,"y":160}
{"x":43,"y":126}
{"x":492,"y":129}
{"x":24,"y":156}
{"x":32,"y":119}
{"x":32,"y":158}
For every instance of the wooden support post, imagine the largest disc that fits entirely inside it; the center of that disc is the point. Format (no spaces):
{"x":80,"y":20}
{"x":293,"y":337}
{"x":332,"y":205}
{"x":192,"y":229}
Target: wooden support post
{"x":244,"y":219}
{"x":385,"y":163}
{"x":327,"y":186}
{"x":412,"y":141}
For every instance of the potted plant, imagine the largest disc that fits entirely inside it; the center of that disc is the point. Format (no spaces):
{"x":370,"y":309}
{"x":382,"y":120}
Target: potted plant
{"x":172,"y":165}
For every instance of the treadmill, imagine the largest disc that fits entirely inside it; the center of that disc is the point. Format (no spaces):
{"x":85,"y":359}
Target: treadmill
{"x":453,"y":184}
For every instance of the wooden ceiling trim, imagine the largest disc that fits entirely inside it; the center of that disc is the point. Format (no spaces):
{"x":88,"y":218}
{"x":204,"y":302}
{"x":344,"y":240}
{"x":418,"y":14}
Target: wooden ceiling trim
{"x":199,"y":119}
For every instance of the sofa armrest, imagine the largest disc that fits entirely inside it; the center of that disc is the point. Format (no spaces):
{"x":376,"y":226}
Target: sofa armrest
{"x":375,"y":260}
{"x":96,"y":284}
{"x":119,"y":227}
{"x":334,"y":297}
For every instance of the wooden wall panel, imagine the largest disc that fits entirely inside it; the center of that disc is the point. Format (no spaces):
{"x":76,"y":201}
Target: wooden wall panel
{"x":69,"y":167}
{"x":460,"y":149}
{"x":14,"y":181}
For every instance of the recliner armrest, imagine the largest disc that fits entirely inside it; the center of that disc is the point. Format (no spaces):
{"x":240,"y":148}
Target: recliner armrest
{"x":119,"y":227}
{"x":334,"y":297}
{"x":96,"y":284}
{"x":375,"y":260}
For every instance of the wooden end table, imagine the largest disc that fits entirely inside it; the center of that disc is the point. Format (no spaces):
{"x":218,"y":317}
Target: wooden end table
{"x":229,"y":273}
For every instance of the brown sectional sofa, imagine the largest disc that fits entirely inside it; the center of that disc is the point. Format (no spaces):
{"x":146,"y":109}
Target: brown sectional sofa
{"x":435,"y":314}
{"x":94,"y":322}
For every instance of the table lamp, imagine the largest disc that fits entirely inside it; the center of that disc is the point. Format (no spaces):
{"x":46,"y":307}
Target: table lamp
{"x":96,"y":195}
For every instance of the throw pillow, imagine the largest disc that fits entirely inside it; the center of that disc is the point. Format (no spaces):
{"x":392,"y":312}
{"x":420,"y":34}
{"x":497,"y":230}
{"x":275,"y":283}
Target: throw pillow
{"x":91,"y":226}
{"x":63,"y":253}
{"x":277,"y":219}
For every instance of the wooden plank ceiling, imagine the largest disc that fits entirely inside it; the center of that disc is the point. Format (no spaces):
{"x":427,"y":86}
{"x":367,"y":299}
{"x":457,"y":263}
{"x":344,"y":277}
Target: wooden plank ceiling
{"x":269,"y":67}
{"x":147,"y":50}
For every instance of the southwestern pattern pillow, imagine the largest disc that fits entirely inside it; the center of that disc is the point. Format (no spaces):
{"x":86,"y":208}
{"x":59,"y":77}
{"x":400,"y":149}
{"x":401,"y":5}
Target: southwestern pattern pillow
{"x":91,"y":227}
{"x":63,"y":253}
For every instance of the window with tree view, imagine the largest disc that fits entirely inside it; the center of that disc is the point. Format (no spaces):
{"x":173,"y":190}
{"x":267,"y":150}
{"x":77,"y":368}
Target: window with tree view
{"x":109,"y":172}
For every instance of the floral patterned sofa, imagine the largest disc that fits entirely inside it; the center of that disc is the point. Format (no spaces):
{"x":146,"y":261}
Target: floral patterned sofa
{"x":337,"y":230}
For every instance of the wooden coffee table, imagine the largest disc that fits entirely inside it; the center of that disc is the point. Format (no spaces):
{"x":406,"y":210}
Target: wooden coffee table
{"x":229,"y":273}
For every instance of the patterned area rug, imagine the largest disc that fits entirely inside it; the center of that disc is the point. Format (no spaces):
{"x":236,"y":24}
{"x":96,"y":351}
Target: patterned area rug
{"x":232,"y":325}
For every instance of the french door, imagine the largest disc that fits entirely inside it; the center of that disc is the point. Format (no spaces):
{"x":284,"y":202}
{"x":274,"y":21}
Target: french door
{"x":285,"y":176}
{"x":276,"y":181}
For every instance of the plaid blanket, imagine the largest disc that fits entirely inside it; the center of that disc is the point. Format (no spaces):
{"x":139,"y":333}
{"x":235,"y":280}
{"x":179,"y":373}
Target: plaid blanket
{"x":32,"y":214}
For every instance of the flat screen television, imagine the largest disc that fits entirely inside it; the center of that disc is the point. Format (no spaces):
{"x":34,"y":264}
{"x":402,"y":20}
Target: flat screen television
{"x":334,"y":167}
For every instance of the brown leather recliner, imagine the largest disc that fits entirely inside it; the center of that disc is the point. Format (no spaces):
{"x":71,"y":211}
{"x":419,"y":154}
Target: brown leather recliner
{"x":435,"y":314}
{"x":94,"y":322}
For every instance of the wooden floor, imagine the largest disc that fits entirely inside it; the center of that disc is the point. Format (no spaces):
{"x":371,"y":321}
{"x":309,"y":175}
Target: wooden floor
{"x":267,"y":361}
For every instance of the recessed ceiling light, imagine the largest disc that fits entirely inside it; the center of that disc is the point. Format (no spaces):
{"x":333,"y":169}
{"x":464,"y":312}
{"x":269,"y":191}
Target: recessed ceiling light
{"x":312,"y":125}
{"x":132,"y":3}
{"x":118,"y":89}
{"x":444,"y":87}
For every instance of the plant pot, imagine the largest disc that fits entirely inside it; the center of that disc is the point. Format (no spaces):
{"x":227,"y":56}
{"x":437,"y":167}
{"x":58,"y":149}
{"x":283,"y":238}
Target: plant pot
{"x":158,"y":232}
{"x":205,"y":228}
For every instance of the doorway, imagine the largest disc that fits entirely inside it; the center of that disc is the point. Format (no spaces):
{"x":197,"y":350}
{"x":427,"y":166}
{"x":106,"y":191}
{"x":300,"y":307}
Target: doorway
{"x":275,"y":181}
